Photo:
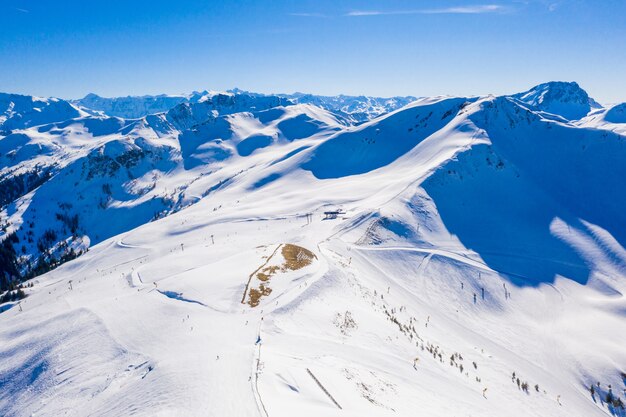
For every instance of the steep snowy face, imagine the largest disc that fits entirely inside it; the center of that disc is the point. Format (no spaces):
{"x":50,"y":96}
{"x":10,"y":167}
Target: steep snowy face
{"x":129,"y":107}
{"x":209,"y":106}
{"x":521,"y":183}
{"x":18,"y":111}
{"x":564,"y":99}
{"x":58,"y":181}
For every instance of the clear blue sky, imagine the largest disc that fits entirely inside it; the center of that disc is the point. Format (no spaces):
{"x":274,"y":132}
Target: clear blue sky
{"x":68,"y":48}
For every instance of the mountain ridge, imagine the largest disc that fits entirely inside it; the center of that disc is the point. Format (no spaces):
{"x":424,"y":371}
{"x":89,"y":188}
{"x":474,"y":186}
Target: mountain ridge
{"x":356,"y":108}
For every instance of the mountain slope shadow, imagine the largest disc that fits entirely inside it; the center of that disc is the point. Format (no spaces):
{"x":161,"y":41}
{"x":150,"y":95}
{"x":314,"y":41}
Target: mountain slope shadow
{"x":206,"y":143}
{"x":495,"y":211}
{"x":581,"y":169}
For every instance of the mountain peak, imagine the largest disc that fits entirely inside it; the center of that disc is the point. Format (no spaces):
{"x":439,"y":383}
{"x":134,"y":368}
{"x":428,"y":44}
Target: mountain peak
{"x":19,"y":111}
{"x":566,"y":99}
{"x":91,"y":96}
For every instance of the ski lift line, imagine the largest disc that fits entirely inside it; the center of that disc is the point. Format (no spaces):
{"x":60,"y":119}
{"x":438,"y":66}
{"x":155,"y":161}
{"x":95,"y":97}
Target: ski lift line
{"x":353,"y":226}
{"x":258,"y":394}
{"x":263,"y":219}
{"x":319,"y":384}
{"x":123,"y":263}
{"x":255,"y":384}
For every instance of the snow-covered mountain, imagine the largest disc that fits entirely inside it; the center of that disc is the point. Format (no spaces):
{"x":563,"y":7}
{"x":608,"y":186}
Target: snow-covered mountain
{"x":187,"y":115}
{"x":129,"y":107}
{"x":139,"y":167}
{"x":563,"y":99}
{"x":356,"y":109}
{"x":135,"y":107}
{"x":19,"y":111}
{"x":249,"y":255}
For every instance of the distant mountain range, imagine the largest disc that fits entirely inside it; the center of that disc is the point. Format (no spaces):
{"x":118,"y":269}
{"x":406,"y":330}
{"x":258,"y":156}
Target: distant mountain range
{"x":357,"y":109}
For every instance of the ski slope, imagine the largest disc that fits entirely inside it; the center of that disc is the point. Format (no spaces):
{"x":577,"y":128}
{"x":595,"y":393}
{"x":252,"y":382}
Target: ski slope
{"x":477,"y":238}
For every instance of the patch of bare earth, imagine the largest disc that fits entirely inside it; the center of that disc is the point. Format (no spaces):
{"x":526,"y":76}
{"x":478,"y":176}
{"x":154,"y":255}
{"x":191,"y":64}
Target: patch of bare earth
{"x":295,"y":257}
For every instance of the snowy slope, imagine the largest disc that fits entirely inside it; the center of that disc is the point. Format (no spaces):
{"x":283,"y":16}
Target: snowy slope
{"x":480,"y":240}
{"x":611,"y":118}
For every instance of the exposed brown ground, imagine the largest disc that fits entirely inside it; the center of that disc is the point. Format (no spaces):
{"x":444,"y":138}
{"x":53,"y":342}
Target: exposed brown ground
{"x":296,"y":257}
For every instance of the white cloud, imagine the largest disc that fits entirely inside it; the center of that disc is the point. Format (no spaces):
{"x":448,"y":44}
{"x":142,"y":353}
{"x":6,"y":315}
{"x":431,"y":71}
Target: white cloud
{"x":478,"y":9}
{"x":553,"y":6}
{"x":486,"y":8}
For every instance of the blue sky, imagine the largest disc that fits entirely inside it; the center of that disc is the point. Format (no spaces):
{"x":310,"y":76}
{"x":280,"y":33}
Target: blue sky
{"x":422,"y":47}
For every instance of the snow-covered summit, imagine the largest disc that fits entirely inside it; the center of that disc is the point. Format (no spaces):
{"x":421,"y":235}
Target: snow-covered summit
{"x":20,"y":111}
{"x":210,"y":105}
{"x":564,"y":99}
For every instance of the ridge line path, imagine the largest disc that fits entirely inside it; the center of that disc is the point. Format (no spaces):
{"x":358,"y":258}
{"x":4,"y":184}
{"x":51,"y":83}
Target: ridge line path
{"x":256,"y":369}
{"x":431,"y":251}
